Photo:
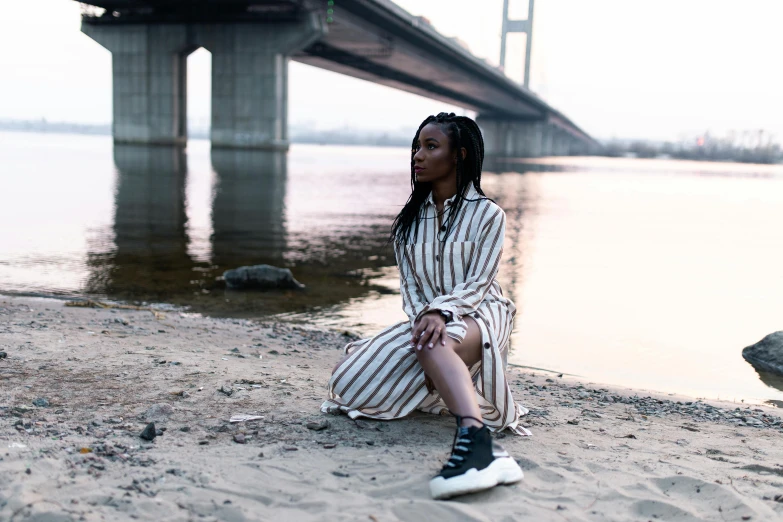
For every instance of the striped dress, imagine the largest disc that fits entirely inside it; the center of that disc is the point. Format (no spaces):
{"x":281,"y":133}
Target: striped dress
{"x":381,"y":378}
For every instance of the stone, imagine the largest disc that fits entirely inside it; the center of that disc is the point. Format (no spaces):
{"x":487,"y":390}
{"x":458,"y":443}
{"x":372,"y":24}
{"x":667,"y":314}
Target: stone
{"x":149,"y":433}
{"x":239,"y":438}
{"x":157,"y":412}
{"x":3,"y":355}
{"x":340,"y":474}
{"x":261,"y":277}
{"x":592,"y":414}
{"x":41,"y":402}
{"x":317,"y":425}
{"x":767,"y":354}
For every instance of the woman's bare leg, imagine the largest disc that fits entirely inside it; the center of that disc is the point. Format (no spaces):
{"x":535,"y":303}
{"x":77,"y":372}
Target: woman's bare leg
{"x":447,"y":366}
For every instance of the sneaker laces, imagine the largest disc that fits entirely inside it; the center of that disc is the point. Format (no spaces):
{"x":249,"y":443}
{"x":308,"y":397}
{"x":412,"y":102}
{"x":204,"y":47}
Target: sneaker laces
{"x":461,"y":445}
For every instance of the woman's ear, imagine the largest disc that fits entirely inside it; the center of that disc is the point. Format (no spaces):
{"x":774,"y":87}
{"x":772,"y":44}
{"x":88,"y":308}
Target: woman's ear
{"x":464,"y":152}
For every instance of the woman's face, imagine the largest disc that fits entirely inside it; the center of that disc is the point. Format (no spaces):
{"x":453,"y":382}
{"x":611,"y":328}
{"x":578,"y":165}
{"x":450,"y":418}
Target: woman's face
{"x":434,"y":159}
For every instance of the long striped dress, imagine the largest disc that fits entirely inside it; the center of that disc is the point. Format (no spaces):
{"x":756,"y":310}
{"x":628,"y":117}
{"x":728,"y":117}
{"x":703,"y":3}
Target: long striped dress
{"x":381,"y":378}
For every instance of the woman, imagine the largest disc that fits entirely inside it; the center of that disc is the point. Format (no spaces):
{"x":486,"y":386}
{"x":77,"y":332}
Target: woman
{"x":450,"y":355}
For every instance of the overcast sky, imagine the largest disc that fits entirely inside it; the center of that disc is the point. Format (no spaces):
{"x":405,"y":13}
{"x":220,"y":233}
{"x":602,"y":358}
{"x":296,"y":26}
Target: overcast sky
{"x":642,"y":68}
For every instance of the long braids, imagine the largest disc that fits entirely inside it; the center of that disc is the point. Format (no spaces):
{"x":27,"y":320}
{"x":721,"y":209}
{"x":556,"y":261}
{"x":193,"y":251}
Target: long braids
{"x":462,"y":132}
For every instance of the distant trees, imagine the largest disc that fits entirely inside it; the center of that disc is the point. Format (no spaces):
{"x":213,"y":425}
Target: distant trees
{"x":757,"y":146}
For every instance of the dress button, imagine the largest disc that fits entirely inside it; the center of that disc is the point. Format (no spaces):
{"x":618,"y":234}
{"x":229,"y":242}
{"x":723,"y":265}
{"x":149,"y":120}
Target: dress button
{"x":486,"y":345}
{"x":443,"y":228}
{"x":437,"y":258}
{"x":437,"y":289}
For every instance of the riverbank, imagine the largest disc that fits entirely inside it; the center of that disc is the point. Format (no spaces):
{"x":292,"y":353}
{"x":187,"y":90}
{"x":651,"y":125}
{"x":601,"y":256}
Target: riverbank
{"x":99,"y":376}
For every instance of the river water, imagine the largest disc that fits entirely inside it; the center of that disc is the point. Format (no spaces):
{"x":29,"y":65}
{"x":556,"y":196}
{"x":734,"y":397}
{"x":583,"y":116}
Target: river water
{"x":652,"y":274}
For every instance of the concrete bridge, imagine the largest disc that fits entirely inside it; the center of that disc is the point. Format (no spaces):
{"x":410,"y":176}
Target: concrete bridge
{"x":252,"y":41}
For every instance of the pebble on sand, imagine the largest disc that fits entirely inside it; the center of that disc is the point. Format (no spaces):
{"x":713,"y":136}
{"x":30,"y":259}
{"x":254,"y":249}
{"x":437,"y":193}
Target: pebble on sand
{"x":318,"y":425}
{"x":149,"y":433}
{"x":158,"y":412}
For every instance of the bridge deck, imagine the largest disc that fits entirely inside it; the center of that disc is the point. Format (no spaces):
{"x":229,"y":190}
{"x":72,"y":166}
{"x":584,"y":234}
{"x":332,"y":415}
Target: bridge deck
{"x":374,"y":40}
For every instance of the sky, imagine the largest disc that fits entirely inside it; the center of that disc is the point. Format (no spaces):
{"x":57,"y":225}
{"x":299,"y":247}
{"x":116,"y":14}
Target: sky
{"x":649,"y":69}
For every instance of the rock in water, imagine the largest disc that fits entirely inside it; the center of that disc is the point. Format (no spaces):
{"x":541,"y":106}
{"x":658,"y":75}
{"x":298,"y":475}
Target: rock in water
{"x":261,"y":276}
{"x":149,"y":433}
{"x":767,"y":354}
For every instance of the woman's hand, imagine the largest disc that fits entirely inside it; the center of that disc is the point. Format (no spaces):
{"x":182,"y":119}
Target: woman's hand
{"x":429,"y":330}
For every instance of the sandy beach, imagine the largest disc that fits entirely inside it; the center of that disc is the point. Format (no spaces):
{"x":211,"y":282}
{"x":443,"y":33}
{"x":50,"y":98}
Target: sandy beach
{"x":78,"y":386}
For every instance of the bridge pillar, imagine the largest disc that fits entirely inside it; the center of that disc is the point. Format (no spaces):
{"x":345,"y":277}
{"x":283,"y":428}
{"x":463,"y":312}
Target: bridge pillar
{"x":510,"y":138}
{"x":148,"y":72}
{"x":250,"y":82}
{"x":547,"y":140}
{"x":249,"y":79}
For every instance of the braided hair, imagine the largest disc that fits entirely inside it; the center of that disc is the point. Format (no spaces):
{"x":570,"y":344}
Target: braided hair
{"x":462,"y":132}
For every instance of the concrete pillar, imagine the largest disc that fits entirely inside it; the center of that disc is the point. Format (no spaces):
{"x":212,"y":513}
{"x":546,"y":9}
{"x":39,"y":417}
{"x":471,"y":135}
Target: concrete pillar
{"x":558,"y":142}
{"x":248,"y":209}
{"x":513,"y":139}
{"x":149,"y":76}
{"x":536,"y":139}
{"x":249,"y":79}
{"x":547,"y":140}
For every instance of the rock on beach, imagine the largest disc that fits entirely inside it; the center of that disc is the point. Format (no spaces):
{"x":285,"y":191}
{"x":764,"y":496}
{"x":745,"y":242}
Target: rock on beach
{"x":261,"y":277}
{"x":767,"y":354}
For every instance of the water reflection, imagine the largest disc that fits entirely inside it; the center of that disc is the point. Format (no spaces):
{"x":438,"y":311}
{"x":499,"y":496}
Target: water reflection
{"x":248,"y":209}
{"x":150,"y":260}
{"x":150,"y":257}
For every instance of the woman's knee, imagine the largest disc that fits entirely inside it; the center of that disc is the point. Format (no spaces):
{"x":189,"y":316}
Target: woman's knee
{"x":427,"y":354}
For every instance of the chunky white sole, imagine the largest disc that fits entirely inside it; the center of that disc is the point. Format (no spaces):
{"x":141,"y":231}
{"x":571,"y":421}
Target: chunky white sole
{"x":504,"y":470}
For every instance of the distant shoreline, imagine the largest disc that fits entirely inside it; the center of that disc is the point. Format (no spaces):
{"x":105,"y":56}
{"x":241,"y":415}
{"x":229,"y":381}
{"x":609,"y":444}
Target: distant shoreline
{"x":720,"y":151}
{"x":327,"y":137}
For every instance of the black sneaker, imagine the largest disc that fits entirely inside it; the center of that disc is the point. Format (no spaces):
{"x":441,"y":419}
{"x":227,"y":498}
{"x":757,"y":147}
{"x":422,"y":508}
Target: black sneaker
{"x":476,"y":464}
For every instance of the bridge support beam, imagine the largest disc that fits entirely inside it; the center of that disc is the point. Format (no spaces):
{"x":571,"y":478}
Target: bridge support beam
{"x":518,"y":139}
{"x":148,"y":73}
{"x":249,"y":79}
{"x":528,"y":139}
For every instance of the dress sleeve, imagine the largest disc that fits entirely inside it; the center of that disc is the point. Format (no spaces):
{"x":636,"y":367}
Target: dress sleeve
{"x":412,"y":298}
{"x":468,"y":295}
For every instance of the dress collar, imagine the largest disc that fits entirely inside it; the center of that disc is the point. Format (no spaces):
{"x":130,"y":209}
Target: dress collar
{"x":470,"y":193}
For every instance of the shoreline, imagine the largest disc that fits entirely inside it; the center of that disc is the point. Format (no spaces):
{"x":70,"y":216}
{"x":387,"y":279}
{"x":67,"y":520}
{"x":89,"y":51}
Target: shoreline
{"x":597,"y":453}
{"x":174,"y":308}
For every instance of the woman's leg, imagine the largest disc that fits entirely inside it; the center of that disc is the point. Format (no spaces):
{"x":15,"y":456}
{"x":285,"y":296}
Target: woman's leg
{"x":447,"y":367}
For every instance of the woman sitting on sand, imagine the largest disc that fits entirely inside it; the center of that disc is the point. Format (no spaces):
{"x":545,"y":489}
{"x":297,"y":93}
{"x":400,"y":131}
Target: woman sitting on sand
{"x":450,"y":355}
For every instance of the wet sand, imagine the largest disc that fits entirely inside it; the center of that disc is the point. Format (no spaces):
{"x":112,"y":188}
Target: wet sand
{"x":99,"y":376}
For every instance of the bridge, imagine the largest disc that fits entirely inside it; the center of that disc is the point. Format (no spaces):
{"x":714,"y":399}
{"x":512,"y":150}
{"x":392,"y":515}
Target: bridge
{"x":252,"y":41}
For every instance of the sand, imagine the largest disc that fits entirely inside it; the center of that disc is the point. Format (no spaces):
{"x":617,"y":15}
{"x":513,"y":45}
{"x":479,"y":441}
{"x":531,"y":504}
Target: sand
{"x":106,"y":373}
